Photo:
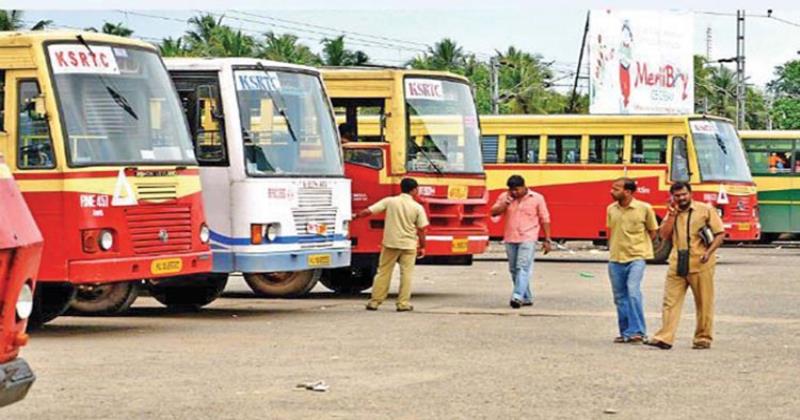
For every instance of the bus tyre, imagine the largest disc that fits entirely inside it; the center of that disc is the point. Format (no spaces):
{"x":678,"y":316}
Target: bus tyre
{"x":661,"y":250}
{"x":287,"y":284}
{"x":348,"y":280}
{"x":49,"y":301}
{"x":190,"y":292}
{"x":104,"y":299}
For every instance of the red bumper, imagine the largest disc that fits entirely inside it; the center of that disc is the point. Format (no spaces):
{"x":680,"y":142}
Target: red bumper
{"x":449,"y":245}
{"x":134,"y":268}
{"x":742,"y":231}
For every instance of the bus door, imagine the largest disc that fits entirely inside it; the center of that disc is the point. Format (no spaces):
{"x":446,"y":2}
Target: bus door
{"x":795,"y":187}
{"x":31,"y":150}
{"x":771,"y":165}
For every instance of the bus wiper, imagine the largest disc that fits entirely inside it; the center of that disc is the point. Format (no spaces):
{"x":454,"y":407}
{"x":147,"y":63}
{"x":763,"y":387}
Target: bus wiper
{"x":721,"y":143}
{"x":116,"y":96}
{"x":420,"y":150}
{"x":279,"y":104}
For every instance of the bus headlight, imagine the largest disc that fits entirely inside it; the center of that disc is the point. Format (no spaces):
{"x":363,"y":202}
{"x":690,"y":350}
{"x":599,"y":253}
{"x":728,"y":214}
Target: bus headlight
{"x":25,"y":302}
{"x":272,"y":232}
{"x":205,"y":233}
{"x":720,"y":212}
{"x":105,"y":240}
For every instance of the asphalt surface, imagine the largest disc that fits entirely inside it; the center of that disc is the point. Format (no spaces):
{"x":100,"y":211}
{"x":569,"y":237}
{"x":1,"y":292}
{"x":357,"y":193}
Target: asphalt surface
{"x":463,"y":353}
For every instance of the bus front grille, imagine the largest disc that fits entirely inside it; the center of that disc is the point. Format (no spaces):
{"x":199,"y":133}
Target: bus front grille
{"x":157,"y":192}
{"x":305,"y":219}
{"x":157,"y":229}
{"x":315,"y":197}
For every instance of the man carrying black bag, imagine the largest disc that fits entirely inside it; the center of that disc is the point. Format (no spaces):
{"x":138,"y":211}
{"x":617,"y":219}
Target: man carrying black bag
{"x":696,"y":232}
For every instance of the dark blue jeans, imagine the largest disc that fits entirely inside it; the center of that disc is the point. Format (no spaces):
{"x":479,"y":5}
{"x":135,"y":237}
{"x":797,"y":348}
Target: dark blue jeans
{"x":626,"y":283}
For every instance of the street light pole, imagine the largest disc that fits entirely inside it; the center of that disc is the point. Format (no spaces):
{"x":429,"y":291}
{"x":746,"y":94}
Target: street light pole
{"x":741,"y":88}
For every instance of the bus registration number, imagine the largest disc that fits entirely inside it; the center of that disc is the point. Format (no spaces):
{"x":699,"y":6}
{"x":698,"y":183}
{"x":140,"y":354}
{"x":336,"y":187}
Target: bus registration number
{"x":166,"y":266}
{"x":319,"y":260}
{"x":457,"y":192}
{"x":460,"y":246}
{"x":744,"y":226}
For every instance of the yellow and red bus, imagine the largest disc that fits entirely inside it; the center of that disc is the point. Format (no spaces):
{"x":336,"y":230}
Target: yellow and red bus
{"x":20,"y":253}
{"x":95,"y":136}
{"x":572,"y":160}
{"x":774,"y":158}
{"x":410,"y":123}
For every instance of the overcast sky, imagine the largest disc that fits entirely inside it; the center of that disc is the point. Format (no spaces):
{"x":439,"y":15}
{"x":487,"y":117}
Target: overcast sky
{"x":391,"y":32}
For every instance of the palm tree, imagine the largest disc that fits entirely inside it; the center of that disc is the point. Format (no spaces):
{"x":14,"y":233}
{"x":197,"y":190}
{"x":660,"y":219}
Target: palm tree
{"x":447,"y":55}
{"x":203,"y":30}
{"x":11,"y":20}
{"x":334,"y":53}
{"x":227,"y":43}
{"x":172,"y":47}
{"x":286,"y":48}
{"x":117,"y":29}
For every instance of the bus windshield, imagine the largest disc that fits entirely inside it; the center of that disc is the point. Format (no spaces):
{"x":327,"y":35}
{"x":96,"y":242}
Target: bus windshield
{"x":442,"y":125}
{"x":720,"y":156}
{"x":287,"y":125}
{"x":118,"y":106}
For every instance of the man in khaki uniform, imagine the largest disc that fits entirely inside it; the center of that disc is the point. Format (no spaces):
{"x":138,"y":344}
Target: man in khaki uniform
{"x":403,"y":242}
{"x":632,"y":227}
{"x":702,"y":261}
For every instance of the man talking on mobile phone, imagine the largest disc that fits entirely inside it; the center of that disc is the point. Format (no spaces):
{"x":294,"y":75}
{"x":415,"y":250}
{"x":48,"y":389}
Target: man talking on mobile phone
{"x":691,"y":264}
{"x":524,"y":211}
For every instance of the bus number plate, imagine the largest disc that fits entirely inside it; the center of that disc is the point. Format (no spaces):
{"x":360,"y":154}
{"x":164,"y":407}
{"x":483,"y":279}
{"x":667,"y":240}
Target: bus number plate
{"x":460,"y":246}
{"x":319,"y":260}
{"x":166,"y":266}
{"x":457,"y":192}
{"x":744,"y":226}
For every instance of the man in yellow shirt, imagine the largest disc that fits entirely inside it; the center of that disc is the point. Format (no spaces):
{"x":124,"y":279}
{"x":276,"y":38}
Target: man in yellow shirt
{"x":632,"y":227}
{"x":403,"y":241}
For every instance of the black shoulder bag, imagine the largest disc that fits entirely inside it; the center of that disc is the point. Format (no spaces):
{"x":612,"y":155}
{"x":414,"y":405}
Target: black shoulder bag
{"x":684,"y":254}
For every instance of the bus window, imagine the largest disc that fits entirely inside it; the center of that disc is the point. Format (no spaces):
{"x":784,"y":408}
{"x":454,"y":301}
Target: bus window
{"x":366,"y":117}
{"x":680,"y":160}
{"x":769,"y":157}
{"x":489,"y":149}
{"x":649,"y":150}
{"x":605,"y":149}
{"x":199,"y":94}
{"x":35,"y":145}
{"x":371,"y":158}
{"x":563,"y":149}
{"x":522,"y":149}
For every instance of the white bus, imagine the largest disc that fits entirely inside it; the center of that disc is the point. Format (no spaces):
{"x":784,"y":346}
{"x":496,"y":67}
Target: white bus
{"x":274,"y":190}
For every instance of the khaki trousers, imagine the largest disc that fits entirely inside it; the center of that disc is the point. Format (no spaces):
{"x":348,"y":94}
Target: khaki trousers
{"x":380,"y":286}
{"x":702,"y":285}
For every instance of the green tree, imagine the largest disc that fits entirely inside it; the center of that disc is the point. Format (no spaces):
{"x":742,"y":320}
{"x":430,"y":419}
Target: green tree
{"x":118,"y":29}
{"x":225,"y":42}
{"x":334,"y":53}
{"x":202,"y":29}
{"x":445,"y":55}
{"x":785,"y":88}
{"x":12,"y":20}
{"x":286,"y":48}
{"x":174,"y":47}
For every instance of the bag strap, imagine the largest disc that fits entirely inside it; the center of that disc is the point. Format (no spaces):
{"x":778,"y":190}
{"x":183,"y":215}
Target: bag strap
{"x":688,"y":226}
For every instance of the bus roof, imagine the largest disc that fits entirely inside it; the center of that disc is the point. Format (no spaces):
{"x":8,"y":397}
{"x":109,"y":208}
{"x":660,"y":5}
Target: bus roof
{"x":210,"y":63}
{"x":523,"y":119}
{"x":372,"y":73}
{"x":769,"y":134}
{"x":30,"y":38}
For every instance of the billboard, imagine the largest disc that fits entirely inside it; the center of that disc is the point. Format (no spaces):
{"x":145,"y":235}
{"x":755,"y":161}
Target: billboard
{"x":640,"y":62}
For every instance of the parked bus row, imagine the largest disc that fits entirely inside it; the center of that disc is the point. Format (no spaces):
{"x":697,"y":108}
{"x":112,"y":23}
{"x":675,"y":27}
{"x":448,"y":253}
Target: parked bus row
{"x":169,"y":177}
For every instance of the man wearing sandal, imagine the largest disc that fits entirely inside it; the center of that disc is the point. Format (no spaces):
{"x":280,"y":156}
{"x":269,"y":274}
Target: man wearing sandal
{"x":632,"y":226}
{"x":696,"y":231}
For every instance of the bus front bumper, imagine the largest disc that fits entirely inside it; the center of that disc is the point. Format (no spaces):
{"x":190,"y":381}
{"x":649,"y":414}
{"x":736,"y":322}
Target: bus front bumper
{"x":271,"y":262}
{"x":141,"y":267}
{"x":450,"y":245}
{"x":16,"y":378}
{"x":742,"y":231}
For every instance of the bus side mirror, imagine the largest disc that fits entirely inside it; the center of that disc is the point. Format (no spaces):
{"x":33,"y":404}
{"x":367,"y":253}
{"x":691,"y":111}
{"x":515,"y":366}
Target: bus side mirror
{"x":38,"y":112}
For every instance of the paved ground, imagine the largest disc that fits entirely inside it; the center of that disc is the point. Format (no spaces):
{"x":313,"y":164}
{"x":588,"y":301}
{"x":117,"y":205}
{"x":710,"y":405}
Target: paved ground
{"x":462,"y":354}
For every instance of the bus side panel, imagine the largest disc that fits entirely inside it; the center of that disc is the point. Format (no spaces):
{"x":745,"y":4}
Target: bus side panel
{"x":577,"y":209}
{"x":216,"y":182}
{"x":47,"y":208}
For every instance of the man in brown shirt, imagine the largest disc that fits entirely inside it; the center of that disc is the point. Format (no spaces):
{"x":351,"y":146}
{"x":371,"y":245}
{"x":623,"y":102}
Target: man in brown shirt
{"x":689,"y":217}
